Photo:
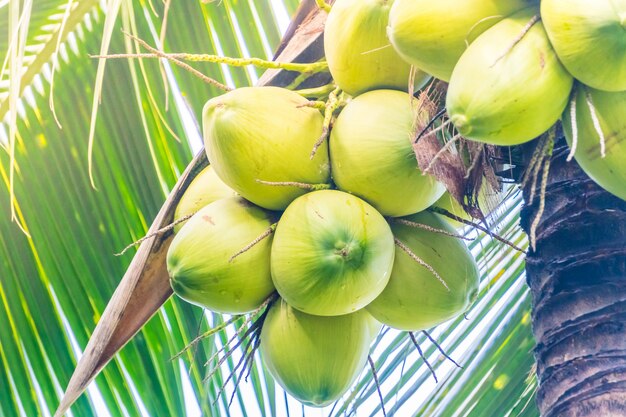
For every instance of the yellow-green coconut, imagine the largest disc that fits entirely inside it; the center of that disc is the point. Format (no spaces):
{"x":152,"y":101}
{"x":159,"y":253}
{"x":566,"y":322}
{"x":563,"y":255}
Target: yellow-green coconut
{"x":315,"y":359}
{"x":610,"y":108}
{"x":359,"y":55}
{"x":254,"y":135}
{"x":505,"y":90}
{"x":372,"y":155}
{"x":432,"y":35}
{"x":415,"y":299}
{"x":589,"y":37}
{"x":204,"y":189}
{"x":332,"y":253}
{"x":200,"y":264}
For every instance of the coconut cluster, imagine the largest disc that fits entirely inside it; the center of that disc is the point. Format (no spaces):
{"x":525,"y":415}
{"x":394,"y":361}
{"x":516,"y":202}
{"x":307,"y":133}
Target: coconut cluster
{"x":342,"y":236}
{"x":338,"y":224}
{"x":516,"y":67}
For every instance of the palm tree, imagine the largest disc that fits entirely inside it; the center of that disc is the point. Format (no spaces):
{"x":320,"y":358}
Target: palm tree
{"x":57,"y":276}
{"x":576,"y":277}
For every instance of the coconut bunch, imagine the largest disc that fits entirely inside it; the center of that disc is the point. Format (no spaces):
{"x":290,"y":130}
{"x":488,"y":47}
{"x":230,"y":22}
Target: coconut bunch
{"x":516,"y":67}
{"x":341,"y":234}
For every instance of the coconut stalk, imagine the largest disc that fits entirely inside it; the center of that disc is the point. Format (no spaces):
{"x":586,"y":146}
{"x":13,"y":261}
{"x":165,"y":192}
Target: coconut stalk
{"x":145,"y":287}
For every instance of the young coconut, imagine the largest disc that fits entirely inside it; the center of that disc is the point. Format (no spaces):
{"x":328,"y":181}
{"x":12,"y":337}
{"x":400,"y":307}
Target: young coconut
{"x":415,"y":299}
{"x":609,"y":111}
{"x":509,"y":86}
{"x":432,"y":35}
{"x":332,"y":253}
{"x":206,"y":188}
{"x":590,"y":39}
{"x":259,"y":141}
{"x":315,"y":359}
{"x":359,"y":55}
{"x":200,"y":259}
{"x":371,"y":153}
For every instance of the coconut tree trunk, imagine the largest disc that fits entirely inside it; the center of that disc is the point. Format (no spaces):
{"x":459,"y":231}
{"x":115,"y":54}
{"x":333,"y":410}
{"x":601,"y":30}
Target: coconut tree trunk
{"x":577,"y":277}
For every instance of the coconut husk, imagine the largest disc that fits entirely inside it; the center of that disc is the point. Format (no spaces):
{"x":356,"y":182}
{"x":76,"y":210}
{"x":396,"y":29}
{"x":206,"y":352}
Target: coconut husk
{"x":463,"y":168}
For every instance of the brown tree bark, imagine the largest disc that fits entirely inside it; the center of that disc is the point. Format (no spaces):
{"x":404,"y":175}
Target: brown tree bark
{"x":577,"y":277}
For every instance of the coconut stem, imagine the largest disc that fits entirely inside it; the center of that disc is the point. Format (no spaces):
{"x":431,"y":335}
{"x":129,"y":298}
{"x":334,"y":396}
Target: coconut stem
{"x":303,"y":185}
{"x":430,"y":228}
{"x":439,"y":348}
{"x":308,"y":68}
{"x":477,"y":158}
{"x":179,"y":63}
{"x":419,"y":350}
{"x":250,"y":245}
{"x":572,"y":116}
{"x":596,"y":122}
{"x":206,"y":334}
{"x":323,"y":5}
{"x":331,"y":105}
{"x":420,"y":261}
{"x":446,"y":213}
{"x":380,"y":394}
{"x":519,"y":37}
{"x":156,"y":233}
{"x":317,"y":91}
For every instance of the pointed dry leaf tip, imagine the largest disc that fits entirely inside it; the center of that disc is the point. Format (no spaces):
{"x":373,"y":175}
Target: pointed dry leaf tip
{"x":419,"y":350}
{"x":249,"y":246}
{"x":572,"y":114}
{"x":536,"y":18}
{"x":420,"y":261}
{"x":156,"y":233}
{"x":377,"y":382}
{"x":596,"y":122}
{"x":429,"y":228}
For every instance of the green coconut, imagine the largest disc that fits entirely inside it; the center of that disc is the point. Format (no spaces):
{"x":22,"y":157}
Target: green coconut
{"x":265,"y":134}
{"x":332,"y":253}
{"x":205,"y":188}
{"x":415,"y":299}
{"x":590,"y":39}
{"x":372,"y":156}
{"x":315,"y":359}
{"x":359,"y":55}
{"x":610,"y":108}
{"x":432,"y":35}
{"x":199,"y":258}
{"x":505,"y":90}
